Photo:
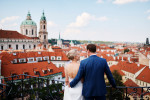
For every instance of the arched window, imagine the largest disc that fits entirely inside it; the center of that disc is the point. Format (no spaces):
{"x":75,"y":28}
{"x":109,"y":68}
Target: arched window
{"x":29,"y":46}
{"x":44,"y":36}
{"x":2,"y":47}
{"x":9,"y":46}
{"x":44,"y":26}
{"x":34,"y":46}
{"x":16,"y":46}
{"x":23,"y":46}
{"x":45,"y":46}
{"x":26,"y":31}
{"x":32,"y":31}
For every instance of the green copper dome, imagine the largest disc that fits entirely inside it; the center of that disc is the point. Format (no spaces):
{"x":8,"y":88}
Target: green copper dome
{"x":43,"y":17}
{"x":28,"y":21}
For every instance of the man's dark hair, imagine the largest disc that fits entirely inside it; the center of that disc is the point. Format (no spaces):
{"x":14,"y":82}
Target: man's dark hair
{"x":91,"y":48}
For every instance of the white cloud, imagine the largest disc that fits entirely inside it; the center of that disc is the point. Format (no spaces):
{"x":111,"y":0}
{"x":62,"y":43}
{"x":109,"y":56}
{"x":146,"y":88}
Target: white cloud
{"x":148,"y":11}
{"x":99,"y":1}
{"x":10,"y":25}
{"x":8,"y":19}
{"x":84,"y":18}
{"x":119,"y":2}
{"x":51,"y":24}
{"x":148,"y":17}
{"x":81,"y":20}
{"x":104,"y":18}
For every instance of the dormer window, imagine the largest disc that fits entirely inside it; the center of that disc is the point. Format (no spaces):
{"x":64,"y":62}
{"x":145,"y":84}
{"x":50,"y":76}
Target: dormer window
{"x":46,"y":58}
{"x":52,"y":57}
{"x":31,"y":59}
{"x":23,"y":60}
{"x":14,"y":54}
{"x":38,"y":59}
{"x":59,"y":58}
{"x":37,"y":73}
{"x":14,"y":75}
{"x":50,"y":69}
{"x":14,"y":61}
{"x":26,"y":73}
{"x":45,"y":71}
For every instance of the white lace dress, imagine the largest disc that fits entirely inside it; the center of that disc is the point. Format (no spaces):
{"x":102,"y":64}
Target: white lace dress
{"x":74,"y":93}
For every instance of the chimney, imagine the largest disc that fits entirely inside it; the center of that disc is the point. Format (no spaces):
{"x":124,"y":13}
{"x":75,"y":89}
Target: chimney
{"x":138,"y":65}
{"x":122,"y":58}
{"x":129,"y":59}
{"x":114,"y":58}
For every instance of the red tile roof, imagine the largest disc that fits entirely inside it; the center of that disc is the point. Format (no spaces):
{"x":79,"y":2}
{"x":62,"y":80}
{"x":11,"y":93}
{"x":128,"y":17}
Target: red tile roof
{"x":144,"y":75}
{"x":130,"y":67}
{"x":7,"y":70}
{"x":12,"y":35}
{"x":116,"y":67}
{"x":7,"y":58}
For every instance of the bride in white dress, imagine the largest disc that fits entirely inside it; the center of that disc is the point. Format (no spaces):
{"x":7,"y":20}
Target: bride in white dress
{"x":71,"y":71}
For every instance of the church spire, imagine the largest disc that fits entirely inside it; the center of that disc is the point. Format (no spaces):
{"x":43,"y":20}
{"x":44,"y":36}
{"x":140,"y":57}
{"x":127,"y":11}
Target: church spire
{"x":59,"y":36}
{"x":43,"y":18}
{"x":28,"y":16}
{"x":147,"y":41}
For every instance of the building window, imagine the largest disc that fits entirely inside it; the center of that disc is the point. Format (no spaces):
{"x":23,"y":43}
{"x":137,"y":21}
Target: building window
{"x":44,"y":26}
{"x":52,"y":57}
{"x":14,"y":61}
{"x":45,"y":71}
{"x":32,"y":31}
{"x":9,"y":46}
{"x":37,"y":73}
{"x":26,"y":32}
{"x":39,"y":59}
{"x":58,"y":58}
{"x":23,"y":46}
{"x":44,"y":46}
{"x":22,"y":60}
{"x":34,"y":46}
{"x":30,"y":59}
{"x":44,"y":36}
{"x":2,"y":47}
{"x":29,"y":46}
{"x":46,"y":58}
{"x":17,"y":47}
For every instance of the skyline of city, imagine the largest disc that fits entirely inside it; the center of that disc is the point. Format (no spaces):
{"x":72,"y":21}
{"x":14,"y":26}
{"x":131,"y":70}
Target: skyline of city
{"x":110,"y":20}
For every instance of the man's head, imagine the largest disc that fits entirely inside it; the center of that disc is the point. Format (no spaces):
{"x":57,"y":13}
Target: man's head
{"x":91,"y":48}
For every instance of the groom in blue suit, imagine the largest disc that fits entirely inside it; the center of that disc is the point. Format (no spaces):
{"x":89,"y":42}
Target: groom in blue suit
{"x":92,"y":70}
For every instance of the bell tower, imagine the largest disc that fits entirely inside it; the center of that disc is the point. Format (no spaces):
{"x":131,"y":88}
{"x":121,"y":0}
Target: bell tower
{"x":43,"y":34}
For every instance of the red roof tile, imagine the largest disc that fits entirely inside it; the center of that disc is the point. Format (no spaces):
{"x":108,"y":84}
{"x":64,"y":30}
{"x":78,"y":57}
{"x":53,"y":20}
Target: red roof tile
{"x":12,"y":35}
{"x":144,"y":75}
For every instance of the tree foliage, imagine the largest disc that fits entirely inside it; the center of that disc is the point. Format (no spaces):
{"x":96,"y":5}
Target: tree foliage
{"x":116,"y":94}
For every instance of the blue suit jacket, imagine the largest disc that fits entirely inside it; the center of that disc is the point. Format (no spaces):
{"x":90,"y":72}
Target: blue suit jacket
{"x":92,"y":70}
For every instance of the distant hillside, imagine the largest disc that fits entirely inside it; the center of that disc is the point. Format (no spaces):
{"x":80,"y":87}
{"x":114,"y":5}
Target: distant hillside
{"x":96,"y":42}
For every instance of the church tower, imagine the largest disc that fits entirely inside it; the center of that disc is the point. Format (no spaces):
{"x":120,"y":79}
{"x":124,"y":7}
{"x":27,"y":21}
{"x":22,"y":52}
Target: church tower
{"x":28,"y":27}
{"x":59,"y":41}
{"x":43,"y":34}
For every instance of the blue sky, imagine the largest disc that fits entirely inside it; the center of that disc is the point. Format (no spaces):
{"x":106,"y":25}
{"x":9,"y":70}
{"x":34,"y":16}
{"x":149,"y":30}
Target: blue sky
{"x":104,"y":20}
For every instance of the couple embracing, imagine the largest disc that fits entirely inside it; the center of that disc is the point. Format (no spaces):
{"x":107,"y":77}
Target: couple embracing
{"x":85,"y":81}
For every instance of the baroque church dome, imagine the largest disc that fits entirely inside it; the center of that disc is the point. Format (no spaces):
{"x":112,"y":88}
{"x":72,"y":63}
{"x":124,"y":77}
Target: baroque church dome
{"x":28,"y":21}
